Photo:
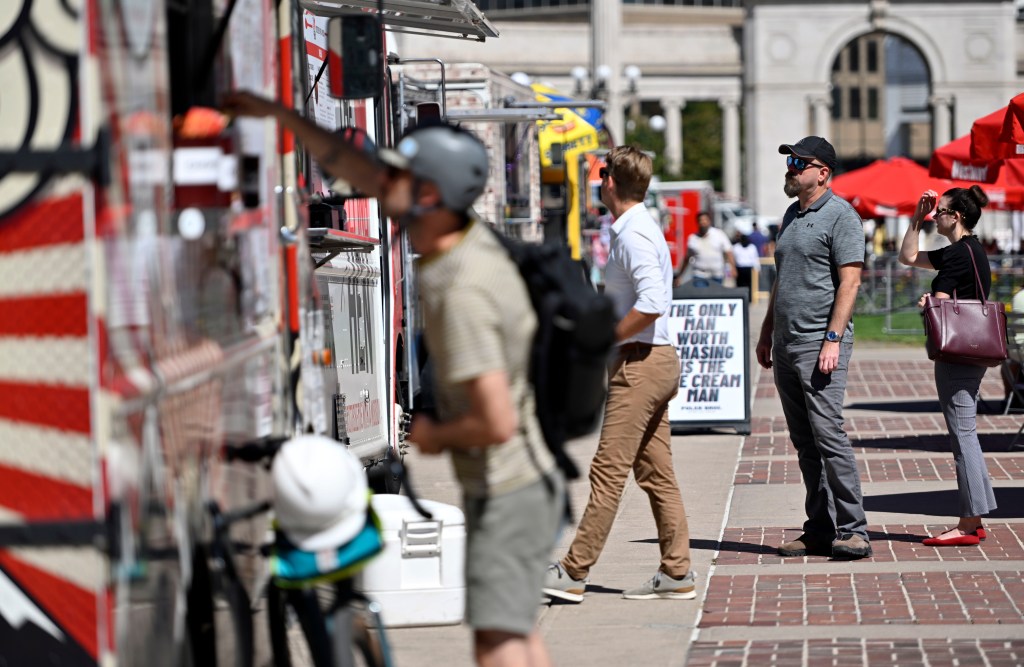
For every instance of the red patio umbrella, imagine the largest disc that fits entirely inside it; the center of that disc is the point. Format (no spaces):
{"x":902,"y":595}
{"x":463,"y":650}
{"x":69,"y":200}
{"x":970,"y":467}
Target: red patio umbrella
{"x":1002,"y":180}
{"x":999,"y":135}
{"x":884,"y":187}
{"x":1013,"y":122}
{"x":954,"y":161}
{"x":893,"y":187}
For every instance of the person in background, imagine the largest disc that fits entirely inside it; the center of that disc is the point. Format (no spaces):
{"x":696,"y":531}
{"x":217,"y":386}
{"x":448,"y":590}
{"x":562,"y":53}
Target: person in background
{"x":747,"y":259}
{"x":709,"y":251}
{"x":599,"y":245}
{"x":478,"y":326}
{"x":759,"y":240}
{"x":878,"y":240}
{"x":807,"y":339}
{"x":958,"y":385}
{"x":643,"y":378}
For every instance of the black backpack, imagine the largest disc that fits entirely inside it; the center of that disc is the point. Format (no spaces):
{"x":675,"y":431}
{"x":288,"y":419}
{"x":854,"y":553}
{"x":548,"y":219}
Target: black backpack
{"x":570,"y":351}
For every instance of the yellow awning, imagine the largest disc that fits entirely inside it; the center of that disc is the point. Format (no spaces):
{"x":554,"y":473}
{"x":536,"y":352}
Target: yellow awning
{"x":571,"y":131}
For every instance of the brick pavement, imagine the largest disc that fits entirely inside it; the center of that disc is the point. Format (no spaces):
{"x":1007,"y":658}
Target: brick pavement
{"x":906,"y":605}
{"x":890,"y":542}
{"x":868,"y":598}
{"x":842,"y":652}
{"x":787,"y":471}
{"x":997,"y":431}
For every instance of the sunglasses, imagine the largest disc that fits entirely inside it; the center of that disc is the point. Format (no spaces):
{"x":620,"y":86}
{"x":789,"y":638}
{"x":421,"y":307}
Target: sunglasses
{"x":799,"y":164}
{"x":604,"y":173}
{"x":943,"y":211}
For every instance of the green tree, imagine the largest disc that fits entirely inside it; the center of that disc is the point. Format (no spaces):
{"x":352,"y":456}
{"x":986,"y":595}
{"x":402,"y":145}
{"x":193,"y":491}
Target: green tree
{"x":643,"y":137}
{"x":702,"y":142}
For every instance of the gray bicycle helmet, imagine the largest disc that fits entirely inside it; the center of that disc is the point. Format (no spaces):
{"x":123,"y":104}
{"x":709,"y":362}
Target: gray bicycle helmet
{"x":451,"y":158}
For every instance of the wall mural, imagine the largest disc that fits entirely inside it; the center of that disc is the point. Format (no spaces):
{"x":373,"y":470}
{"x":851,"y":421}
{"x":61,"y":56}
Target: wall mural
{"x":39,"y":43}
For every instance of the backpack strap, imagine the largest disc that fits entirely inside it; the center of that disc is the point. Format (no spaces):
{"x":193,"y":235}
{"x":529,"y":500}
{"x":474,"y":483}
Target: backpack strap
{"x":545,"y":475}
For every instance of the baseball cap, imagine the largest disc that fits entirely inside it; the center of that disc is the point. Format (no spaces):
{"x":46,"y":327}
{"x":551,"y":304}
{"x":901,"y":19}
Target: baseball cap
{"x":814,"y":148}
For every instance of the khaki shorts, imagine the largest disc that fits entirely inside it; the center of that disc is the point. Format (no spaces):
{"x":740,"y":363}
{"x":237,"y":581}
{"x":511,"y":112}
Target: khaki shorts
{"x":509,"y":545}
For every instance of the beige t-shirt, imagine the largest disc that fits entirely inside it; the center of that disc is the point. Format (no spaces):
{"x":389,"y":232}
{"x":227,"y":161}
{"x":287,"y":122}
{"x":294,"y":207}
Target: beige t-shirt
{"x":708,"y":253}
{"x":478,"y":318}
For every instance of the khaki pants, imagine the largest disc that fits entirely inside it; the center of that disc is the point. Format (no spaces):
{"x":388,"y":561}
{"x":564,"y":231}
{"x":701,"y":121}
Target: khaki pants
{"x":635,"y":435}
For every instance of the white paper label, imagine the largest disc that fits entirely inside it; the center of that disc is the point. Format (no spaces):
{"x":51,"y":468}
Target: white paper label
{"x":197,"y":166}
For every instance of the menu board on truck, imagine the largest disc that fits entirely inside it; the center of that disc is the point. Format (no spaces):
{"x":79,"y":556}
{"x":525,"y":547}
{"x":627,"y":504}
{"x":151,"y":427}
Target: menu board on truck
{"x":323,"y":107}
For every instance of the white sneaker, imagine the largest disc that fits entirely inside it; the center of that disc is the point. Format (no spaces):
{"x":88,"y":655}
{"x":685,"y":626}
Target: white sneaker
{"x":558,"y":584}
{"x":665,"y":587}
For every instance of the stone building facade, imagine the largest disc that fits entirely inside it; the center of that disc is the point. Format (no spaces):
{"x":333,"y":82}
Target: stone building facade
{"x":777,"y":68}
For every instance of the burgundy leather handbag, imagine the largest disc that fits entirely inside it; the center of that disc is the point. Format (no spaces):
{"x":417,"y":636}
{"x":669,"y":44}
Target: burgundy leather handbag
{"x":965,"y":331}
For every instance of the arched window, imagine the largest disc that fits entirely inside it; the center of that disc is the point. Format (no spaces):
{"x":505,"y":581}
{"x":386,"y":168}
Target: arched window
{"x":880,"y":89}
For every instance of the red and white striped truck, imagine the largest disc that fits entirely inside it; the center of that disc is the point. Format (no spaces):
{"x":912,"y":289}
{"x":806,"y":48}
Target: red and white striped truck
{"x":163,"y":281}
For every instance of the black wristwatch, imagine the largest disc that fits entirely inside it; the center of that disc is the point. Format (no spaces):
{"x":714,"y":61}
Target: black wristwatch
{"x":832,"y":336}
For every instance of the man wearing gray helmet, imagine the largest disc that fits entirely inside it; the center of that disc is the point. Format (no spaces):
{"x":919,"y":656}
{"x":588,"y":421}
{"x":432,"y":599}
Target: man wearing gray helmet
{"x":478,"y":324}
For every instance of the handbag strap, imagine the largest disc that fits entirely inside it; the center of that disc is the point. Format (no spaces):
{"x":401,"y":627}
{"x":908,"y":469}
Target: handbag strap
{"x":977,"y":276}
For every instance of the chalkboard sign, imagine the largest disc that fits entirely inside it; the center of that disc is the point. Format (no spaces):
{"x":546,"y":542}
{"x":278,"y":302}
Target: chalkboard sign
{"x":709,"y":327}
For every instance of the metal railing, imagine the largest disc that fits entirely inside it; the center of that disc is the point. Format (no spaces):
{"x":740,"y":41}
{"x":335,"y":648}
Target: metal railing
{"x":892,"y":289}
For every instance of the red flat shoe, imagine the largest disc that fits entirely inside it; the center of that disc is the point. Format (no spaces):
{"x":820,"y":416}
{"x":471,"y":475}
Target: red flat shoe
{"x":954,"y":541}
{"x":980,"y":532}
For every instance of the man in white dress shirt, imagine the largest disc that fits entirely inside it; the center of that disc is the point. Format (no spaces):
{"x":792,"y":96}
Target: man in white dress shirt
{"x":643,"y":378}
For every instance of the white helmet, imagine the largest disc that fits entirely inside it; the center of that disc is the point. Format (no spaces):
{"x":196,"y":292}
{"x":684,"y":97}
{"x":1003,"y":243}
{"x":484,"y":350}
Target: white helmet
{"x":320,"y":492}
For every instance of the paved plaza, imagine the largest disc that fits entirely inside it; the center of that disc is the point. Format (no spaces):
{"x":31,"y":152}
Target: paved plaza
{"x":906,"y":605}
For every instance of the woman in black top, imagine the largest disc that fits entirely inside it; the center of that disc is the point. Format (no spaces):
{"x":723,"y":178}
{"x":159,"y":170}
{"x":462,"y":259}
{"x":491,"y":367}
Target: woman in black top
{"x":958,"y":384}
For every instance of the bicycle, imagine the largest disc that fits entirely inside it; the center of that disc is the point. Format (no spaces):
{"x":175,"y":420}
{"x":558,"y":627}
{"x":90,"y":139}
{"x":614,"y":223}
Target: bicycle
{"x":322,"y":621}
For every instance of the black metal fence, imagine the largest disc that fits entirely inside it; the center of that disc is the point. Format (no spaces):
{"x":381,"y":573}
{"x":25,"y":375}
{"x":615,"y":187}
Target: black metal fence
{"x":892,"y":289}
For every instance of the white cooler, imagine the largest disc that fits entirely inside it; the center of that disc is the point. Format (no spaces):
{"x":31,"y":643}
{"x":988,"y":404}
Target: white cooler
{"x":419,"y":578}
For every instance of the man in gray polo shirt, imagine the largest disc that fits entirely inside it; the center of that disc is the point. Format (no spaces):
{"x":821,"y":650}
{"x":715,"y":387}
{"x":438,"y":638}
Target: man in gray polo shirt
{"x":807,"y":337}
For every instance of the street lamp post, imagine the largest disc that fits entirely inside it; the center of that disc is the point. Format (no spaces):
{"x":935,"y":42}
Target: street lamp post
{"x":602,"y":86}
{"x":632,"y":73}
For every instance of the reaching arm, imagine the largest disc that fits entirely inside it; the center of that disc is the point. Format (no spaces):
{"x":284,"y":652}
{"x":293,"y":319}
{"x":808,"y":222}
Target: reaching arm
{"x":335,"y":155}
{"x":909,"y":253}
{"x":491,"y":420}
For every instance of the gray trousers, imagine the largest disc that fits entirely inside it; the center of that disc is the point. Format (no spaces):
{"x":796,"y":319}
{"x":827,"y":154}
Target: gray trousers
{"x":958,"y":386}
{"x":813,"y":405}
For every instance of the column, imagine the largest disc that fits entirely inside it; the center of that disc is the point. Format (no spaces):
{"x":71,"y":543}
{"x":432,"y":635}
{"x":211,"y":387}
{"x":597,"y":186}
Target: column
{"x":730,"y":146}
{"x":605,"y":28}
{"x":942,"y":120}
{"x":614,"y":115}
{"x":822,"y":114}
{"x":673,"y":107}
